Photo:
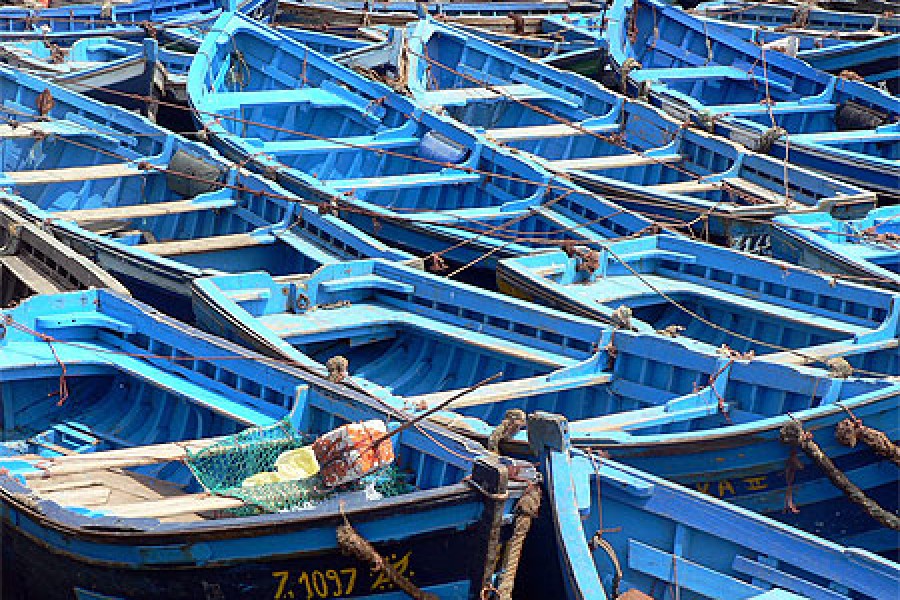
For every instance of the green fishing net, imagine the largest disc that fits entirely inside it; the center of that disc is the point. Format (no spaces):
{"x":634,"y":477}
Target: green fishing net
{"x":224,"y":467}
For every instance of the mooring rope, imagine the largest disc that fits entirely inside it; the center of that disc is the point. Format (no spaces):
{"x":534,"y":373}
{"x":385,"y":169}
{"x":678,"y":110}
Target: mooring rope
{"x":793,"y":434}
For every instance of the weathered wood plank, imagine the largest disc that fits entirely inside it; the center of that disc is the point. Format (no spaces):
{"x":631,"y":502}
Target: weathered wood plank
{"x":121,"y":458}
{"x":599,"y":163}
{"x":138,"y":211}
{"x":215,"y":243}
{"x":171,"y":507}
{"x":69,"y":174}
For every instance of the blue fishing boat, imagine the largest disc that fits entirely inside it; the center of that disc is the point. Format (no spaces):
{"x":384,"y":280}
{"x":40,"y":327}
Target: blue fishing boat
{"x":33,"y":262}
{"x":714,"y":421}
{"x":398,"y":332}
{"x":864,"y":249}
{"x":804,"y":18}
{"x":765,"y":100}
{"x":66,"y":25}
{"x":328,"y":44}
{"x":348,"y":16}
{"x":717,"y":296}
{"x":149,"y":206}
{"x":852,"y":45}
{"x":378,"y":160}
{"x":106,"y":69}
{"x":622,"y":533}
{"x":875,"y":61}
{"x":624,"y":150}
{"x":115,"y":484}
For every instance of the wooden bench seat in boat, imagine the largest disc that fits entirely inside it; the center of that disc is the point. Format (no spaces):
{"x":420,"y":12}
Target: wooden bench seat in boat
{"x":139,"y":211}
{"x":25,"y":273}
{"x":216,"y":243}
{"x":787,"y":107}
{"x":754,"y":189}
{"x":689,"y":575}
{"x":360,"y":319}
{"x":458,"y":96}
{"x":41,"y":128}
{"x":316,"y":96}
{"x":707,"y":72}
{"x":344,"y":144}
{"x":694,"y":186}
{"x":416,"y":180}
{"x":826,"y":351}
{"x":634,"y":290}
{"x":98,"y":480}
{"x":70,"y":174}
{"x":510,"y":390}
{"x":555,"y":130}
{"x":620,"y":161}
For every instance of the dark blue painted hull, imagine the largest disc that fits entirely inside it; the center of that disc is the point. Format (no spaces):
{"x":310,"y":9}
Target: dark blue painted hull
{"x":749,"y":470}
{"x":38,"y":564}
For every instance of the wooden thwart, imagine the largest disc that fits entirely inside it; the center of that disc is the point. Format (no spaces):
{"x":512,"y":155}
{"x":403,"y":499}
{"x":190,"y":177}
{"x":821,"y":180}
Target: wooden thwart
{"x":215,"y":243}
{"x":122,"y":458}
{"x":69,"y":174}
{"x":138,"y":211}
{"x":533,"y":132}
{"x":22,"y":130}
{"x":599,"y":163}
{"x":24,"y":272}
{"x":172,"y":507}
{"x":686,"y":187}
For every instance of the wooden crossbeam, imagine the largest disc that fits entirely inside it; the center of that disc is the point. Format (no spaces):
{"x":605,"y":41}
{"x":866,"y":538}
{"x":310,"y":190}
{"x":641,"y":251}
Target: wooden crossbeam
{"x":214,"y":243}
{"x":172,"y":507}
{"x":69,"y":174}
{"x":138,"y":211}
{"x":599,"y":163}
{"x":121,"y":458}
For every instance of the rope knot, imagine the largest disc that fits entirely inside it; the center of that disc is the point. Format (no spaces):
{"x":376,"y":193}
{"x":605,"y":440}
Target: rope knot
{"x":511,"y":424}
{"x":621,"y":318}
{"x":839,"y":368}
{"x":338,"y":368}
{"x":672,"y":331}
{"x":792,"y":433}
{"x":847,"y":432}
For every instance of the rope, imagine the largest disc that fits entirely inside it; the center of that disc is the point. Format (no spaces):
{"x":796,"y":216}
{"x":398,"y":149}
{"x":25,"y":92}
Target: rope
{"x":354,"y":545}
{"x":792,"y":434}
{"x":338,"y":369}
{"x":527,"y":509}
{"x":598,"y":541}
{"x":511,"y":424}
{"x":851,"y":430}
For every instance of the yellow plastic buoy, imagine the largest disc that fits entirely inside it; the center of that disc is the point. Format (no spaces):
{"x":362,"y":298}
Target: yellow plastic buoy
{"x":261,"y":479}
{"x":297,"y":464}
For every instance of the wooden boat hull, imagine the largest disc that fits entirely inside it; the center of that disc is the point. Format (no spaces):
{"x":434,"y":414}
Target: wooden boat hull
{"x":34,"y":262}
{"x":338,"y":19}
{"x":875,"y":61}
{"x":60,"y":545}
{"x":834,"y":126}
{"x":229,"y":562}
{"x":68,"y":24}
{"x":617,"y":528}
{"x":751,"y":470}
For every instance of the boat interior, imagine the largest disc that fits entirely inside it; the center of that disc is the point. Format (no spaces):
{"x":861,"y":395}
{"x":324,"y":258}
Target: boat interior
{"x":710,"y":294}
{"x":403,"y":331}
{"x":655,"y":387}
{"x":112,"y":437}
{"x":337,"y":129}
